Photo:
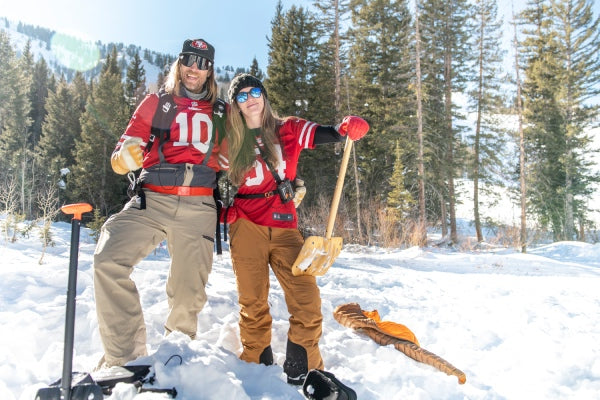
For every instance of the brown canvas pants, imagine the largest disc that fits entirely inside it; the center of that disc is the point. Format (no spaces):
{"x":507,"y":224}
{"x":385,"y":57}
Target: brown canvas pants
{"x":253,"y":248}
{"x":188,"y":224}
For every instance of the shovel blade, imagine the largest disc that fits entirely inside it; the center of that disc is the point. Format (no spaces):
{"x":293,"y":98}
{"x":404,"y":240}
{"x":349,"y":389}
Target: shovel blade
{"x":85,"y":391}
{"x":317,"y":255}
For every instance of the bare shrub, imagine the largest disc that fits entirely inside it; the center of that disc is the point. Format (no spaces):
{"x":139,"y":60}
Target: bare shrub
{"x":312,"y":221}
{"x":47,"y":202}
{"x":9,"y":200}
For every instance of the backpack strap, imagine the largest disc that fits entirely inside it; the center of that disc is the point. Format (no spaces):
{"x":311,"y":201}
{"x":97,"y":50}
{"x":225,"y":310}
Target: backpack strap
{"x":219,"y":117}
{"x":218,"y":121}
{"x":161,"y":122}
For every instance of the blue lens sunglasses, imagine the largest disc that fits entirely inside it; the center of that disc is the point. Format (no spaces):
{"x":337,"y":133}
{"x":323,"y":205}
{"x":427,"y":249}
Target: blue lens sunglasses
{"x":243,"y":96}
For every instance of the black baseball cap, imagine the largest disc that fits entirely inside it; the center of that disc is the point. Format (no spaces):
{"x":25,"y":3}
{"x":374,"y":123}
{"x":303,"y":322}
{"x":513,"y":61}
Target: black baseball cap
{"x":199,"y":47}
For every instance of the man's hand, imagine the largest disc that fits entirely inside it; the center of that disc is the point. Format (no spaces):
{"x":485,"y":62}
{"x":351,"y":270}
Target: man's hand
{"x":129,"y":157}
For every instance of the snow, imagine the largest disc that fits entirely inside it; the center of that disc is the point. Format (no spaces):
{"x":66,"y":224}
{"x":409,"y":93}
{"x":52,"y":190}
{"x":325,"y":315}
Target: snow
{"x":521,"y":326}
{"x":69,"y":50}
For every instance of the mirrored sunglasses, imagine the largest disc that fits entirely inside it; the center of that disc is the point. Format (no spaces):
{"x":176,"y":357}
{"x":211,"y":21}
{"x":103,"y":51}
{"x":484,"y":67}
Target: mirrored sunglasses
{"x":189,"y":59}
{"x":243,"y":96}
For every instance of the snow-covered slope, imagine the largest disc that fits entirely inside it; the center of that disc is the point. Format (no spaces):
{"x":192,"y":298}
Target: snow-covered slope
{"x":521,"y":326}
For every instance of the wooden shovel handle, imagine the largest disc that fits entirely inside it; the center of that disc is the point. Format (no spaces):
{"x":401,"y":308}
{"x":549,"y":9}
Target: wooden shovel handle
{"x":335,"y":202}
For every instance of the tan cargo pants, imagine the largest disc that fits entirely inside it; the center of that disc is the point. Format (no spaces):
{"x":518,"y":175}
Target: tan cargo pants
{"x":253,"y":248}
{"x":188,"y":224}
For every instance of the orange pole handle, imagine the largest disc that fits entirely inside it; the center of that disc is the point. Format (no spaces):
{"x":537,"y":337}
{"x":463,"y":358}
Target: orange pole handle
{"x":77,"y":209}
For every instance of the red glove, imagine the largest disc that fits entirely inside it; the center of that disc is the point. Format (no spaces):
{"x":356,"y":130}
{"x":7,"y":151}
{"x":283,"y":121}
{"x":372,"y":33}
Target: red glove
{"x":354,"y":127}
{"x":228,"y":215}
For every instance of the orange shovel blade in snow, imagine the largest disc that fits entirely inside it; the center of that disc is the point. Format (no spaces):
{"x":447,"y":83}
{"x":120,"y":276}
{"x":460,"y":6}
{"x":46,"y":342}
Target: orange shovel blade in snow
{"x":318,"y":253}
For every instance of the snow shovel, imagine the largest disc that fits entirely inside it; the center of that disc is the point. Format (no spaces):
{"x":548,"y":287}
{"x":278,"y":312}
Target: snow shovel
{"x":72,"y":386}
{"x":318,"y":253}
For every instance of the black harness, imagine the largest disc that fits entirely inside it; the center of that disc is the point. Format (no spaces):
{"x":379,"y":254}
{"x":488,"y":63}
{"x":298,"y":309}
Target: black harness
{"x":161,"y":129}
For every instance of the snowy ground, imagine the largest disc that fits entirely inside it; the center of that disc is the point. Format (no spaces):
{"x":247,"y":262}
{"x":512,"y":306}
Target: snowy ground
{"x":519,"y":326}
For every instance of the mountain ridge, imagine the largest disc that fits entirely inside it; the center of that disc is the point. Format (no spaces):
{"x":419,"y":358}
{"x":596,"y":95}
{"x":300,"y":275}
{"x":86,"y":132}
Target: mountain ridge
{"x":65,"y":54}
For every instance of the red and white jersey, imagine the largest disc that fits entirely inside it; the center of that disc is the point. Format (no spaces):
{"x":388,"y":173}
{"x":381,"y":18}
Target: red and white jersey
{"x":190,"y":136}
{"x":294,"y":135}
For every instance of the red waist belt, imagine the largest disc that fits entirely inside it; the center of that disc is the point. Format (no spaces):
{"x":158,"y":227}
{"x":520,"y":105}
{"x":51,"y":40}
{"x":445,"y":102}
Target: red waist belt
{"x":180,"y":190}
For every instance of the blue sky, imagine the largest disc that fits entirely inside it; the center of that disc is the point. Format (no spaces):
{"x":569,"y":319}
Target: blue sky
{"x":237,"y":28}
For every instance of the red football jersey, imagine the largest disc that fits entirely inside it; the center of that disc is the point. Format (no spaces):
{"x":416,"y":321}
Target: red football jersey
{"x":294,"y":135}
{"x":190,"y":137}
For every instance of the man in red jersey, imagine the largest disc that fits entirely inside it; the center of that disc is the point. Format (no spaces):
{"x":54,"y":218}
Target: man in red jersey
{"x":172,"y":137}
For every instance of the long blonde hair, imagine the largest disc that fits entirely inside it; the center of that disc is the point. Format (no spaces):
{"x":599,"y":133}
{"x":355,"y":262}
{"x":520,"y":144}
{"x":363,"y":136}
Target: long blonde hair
{"x":241,"y":142}
{"x":173,"y":82}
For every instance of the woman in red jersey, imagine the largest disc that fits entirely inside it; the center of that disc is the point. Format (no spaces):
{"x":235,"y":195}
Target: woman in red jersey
{"x":263,"y":157}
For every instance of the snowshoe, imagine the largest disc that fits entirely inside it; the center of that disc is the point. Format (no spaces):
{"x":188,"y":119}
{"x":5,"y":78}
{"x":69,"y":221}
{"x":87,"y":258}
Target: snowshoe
{"x":82,"y":387}
{"x":138,"y":375}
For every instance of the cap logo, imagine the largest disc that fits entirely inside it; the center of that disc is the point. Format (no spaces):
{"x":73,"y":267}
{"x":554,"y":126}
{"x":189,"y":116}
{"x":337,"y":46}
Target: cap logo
{"x":199,"y":44}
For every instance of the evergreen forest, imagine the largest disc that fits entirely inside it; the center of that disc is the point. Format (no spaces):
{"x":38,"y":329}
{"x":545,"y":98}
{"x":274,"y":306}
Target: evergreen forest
{"x":443,"y":100}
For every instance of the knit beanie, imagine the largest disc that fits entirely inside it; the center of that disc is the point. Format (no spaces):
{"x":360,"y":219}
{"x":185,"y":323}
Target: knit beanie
{"x":242,"y":81}
{"x":199,"y":47}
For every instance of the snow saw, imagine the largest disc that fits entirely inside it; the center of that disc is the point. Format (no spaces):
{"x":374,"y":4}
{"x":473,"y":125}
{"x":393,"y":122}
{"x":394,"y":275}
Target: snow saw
{"x":318,"y":253}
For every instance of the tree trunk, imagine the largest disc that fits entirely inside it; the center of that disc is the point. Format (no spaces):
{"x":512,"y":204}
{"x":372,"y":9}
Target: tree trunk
{"x":522,"y":170}
{"x":444,"y":215}
{"x":337,"y":63}
{"x":476,"y":150}
{"x":420,"y":162}
{"x":356,"y":182}
{"x":450,"y":149}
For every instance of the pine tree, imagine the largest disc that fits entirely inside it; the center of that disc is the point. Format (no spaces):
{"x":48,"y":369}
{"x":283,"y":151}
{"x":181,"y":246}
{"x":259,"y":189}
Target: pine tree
{"x":445,"y":32}
{"x":293,"y":90}
{"x":103,"y":122}
{"x":542,"y":115}
{"x":292,"y":62}
{"x":322,"y":158}
{"x":578,"y":36}
{"x":37,"y":96}
{"x":522,"y":167}
{"x":8,"y":75}
{"x":135,"y":82}
{"x":112,"y":63}
{"x":420,"y":159}
{"x":400,"y":202}
{"x":561,"y":68}
{"x":15,"y":122}
{"x":379,"y":83}
{"x":486,"y":100}
{"x":255,"y":70}
{"x":331,"y":31}
{"x":59,"y":133}
{"x":80,"y":91}
{"x":432,"y":84}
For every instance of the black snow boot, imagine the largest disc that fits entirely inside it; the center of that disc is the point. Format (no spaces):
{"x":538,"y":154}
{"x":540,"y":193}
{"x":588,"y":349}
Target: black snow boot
{"x":323,"y":385}
{"x":296,"y":363}
{"x":266,"y":357}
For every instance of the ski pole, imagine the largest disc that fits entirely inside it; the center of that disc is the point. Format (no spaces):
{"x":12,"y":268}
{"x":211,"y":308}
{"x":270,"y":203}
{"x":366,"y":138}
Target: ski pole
{"x":76,"y":210}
